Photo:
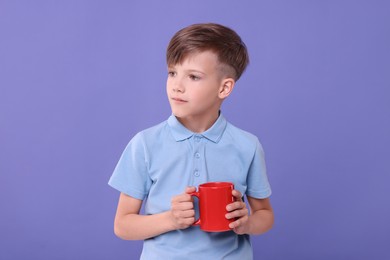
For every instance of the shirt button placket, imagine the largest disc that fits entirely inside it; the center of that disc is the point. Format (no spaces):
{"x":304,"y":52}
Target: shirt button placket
{"x":197,"y":163}
{"x":196,"y":173}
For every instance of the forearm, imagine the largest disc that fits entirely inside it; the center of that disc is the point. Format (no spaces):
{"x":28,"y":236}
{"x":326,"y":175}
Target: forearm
{"x":140,"y":227}
{"x":260,"y":222}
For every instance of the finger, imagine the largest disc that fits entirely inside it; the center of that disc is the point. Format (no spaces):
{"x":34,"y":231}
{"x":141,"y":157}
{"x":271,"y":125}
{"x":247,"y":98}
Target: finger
{"x":188,"y":214}
{"x":185,"y":222}
{"x":181,"y":198}
{"x":237,"y":214}
{"x":190,"y":189}
{"x":183,"y":206}
{"x":184,"y":213}
{"x":238,"y":222}
{"x":235,"y":205}
{"x":237,"y":195}
{"x":235,"y":224}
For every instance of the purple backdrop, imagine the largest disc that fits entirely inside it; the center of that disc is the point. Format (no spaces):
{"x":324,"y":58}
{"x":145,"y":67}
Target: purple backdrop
{"x":79,"y":78}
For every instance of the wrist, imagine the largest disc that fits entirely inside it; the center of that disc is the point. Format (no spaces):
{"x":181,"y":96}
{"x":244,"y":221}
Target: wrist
{"x":170,"y":220}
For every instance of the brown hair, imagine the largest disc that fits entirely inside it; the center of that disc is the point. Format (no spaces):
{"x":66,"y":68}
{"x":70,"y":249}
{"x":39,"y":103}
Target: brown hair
{"x":221,"y":40}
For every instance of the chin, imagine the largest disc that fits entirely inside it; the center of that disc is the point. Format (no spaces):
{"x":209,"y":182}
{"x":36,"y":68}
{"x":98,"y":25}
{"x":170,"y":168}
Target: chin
{"x":178,"y":113}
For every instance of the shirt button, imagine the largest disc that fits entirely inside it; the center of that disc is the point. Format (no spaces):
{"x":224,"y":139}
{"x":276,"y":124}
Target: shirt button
{"x":197,"y":138}
{"x":196,"y":173}
{"x":197,"y":155}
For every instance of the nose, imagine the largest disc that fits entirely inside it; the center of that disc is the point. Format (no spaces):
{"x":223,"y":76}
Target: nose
{"x":177,"y":90}
{"x":177,"y":85}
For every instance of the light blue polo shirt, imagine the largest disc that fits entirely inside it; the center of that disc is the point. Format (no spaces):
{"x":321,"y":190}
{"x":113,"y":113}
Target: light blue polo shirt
{"x":161,"y":161}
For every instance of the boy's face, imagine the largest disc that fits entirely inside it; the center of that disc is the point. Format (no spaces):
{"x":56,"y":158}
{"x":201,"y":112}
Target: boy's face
{"x":196,"y":87}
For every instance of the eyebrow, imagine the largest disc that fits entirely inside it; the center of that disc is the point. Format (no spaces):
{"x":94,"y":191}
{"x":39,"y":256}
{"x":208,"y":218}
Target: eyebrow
{"x":188,"y":70}
{"x":196,"y":71}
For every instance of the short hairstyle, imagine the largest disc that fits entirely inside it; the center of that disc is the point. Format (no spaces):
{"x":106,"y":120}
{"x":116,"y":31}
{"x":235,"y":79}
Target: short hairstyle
{"x":221,"y":40}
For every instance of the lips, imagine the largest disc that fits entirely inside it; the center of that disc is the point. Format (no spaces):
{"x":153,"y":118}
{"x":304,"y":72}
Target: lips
{"x":179,"y":100}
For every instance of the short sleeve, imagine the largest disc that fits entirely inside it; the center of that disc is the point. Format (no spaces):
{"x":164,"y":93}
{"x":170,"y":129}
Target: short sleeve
{"x":257,"y":180}
{"x":131,"y":172}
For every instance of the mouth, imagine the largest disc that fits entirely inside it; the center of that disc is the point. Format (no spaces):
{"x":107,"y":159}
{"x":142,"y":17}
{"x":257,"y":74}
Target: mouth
{"x":179,"y":100}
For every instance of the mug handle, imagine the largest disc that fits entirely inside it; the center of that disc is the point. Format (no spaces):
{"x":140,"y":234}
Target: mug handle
{"x":197,"y":222}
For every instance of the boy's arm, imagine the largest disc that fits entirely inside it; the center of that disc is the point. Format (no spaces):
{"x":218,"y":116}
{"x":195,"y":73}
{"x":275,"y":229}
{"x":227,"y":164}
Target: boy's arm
{"x":259,"y":221}
{"x":130,"y":225}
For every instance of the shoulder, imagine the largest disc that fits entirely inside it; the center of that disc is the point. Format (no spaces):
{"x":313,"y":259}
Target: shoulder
{"x":242,"y":140}
{"x":239,"y":135}
{"x":152,"y":131}
{"x":145,"y":140}
{"x":152,"y":134}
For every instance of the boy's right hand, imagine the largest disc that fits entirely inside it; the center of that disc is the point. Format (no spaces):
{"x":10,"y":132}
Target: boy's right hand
{"x":182,"y":209}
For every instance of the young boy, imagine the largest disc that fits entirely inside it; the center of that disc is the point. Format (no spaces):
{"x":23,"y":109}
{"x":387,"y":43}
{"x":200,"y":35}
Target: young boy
{"x":163,"y":164}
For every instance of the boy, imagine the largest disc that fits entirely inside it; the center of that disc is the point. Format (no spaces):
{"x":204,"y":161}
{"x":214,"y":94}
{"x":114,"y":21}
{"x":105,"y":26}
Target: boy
{"x":165,"y":163}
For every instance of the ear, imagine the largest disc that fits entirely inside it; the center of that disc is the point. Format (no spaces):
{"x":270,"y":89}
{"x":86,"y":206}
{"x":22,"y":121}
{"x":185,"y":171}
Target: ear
{"x":226,"y":88}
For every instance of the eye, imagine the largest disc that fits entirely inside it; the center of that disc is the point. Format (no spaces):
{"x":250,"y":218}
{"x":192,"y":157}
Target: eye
{"x":171,"y":73}
{"x":194,"y":77}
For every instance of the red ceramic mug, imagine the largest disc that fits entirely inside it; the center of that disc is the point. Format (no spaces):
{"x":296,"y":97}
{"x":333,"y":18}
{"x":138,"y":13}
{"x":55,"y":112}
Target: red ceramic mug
{"x":213,"y":198}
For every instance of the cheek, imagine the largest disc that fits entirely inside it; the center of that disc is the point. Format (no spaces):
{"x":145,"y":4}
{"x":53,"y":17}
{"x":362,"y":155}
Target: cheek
{"x":199,"y":96}
{"x":168,"y":86}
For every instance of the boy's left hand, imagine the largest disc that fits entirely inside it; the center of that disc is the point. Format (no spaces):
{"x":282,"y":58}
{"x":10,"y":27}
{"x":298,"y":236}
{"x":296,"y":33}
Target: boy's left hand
{"x":239,"y":211}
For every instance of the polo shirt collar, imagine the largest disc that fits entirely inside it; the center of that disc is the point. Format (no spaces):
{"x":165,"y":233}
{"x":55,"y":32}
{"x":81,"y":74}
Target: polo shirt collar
{"x":214,"y":133}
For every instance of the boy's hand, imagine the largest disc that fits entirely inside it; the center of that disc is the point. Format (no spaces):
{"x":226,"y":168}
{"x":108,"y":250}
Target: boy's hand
{"x":238,"y":210}
{"x":182,"y":209}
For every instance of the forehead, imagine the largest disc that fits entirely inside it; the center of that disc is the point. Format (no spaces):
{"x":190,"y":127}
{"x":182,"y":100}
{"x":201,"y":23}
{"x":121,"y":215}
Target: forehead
{"x":205,"y":61}
{"x":196,"y":56}
{"x":202,"y":57}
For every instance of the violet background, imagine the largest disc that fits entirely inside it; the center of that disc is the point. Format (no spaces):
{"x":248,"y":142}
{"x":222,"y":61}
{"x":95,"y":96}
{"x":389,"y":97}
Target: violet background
{"x":79,"y":78}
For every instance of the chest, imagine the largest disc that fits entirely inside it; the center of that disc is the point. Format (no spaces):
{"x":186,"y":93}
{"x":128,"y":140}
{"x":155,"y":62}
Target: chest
{"x":192,"y":162}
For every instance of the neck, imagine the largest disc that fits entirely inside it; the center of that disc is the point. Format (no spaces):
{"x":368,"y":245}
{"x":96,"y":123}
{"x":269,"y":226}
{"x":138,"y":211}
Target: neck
{"x":199,"y":125}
